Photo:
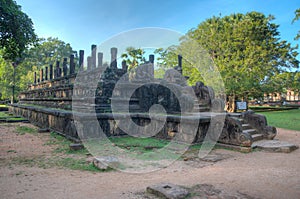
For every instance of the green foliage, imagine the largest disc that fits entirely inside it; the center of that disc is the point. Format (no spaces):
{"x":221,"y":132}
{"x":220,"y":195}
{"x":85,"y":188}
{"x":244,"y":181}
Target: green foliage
{"x":167,"y":57}
{"x":246,"y":49}
{"x":194,"y":63}
{"x":133,"y":57}
{"x":16,"y":30}
{"x":45,"y":52}
{"x":297,"y":17}
{"x":288,"y":119}
{"x":282,"y":82}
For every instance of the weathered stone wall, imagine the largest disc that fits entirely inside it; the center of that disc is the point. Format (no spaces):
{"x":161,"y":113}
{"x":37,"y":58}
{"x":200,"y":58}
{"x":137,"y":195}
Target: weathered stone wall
{"x":62,"y":121}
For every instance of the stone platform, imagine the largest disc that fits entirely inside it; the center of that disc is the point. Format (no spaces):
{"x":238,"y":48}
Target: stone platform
{"x":275,"y":146}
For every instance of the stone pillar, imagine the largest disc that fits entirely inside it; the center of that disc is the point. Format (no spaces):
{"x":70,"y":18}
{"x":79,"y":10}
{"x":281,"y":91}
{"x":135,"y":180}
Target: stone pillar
{"x":51,"y":72}
{"x":113,"y":63}
{"x":72,"y":65}
{"x":81,"y":58}
{"x":94,"y":54}
{"x":124,"y":66}
{"x":46,"y":73}
{"x":151,"y":59}
{"x":41,"y":75}
{"x":89,"y":63}
{"x":34,"y":77}
{"x":151,"y":69}
{"x":100,"y":59}
{"x":65,"y":67}
{"x":180,"y":64}
{"x":57,"y":70}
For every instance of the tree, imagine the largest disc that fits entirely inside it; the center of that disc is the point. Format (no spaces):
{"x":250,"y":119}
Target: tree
{"x":45,"y":52}
{"x":10,"y":78}
{"x":247,"y":50}
{"x":133,"y":57}
{"x":16,"y":30}
{"x":196,"y":62}
{"x":297,"y":17}
{"x":295,"y":82}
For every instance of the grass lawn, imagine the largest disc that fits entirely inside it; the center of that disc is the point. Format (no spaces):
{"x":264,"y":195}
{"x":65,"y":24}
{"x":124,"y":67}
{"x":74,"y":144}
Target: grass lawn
{"x":4,"y":116}
{"x":270,"y":108}
{"x":287,"y":119}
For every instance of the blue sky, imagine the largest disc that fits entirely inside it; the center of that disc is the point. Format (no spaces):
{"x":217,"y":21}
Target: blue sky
{"x":82,"y":23}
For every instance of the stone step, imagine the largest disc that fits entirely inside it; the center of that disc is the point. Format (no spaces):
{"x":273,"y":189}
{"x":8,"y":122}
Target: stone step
{"x":201,"y":109}
{"x":235,"y":114}
{"x":250,"y":131}
{"x":200,"y":105}
{"x":246,"y":126}
{"x":257,"y":137}
{"x":240,"y":119}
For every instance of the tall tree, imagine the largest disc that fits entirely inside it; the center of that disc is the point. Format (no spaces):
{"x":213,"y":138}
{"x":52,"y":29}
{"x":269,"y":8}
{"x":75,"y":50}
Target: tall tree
{"x":16,"y":30}
{"x":246,"y":49}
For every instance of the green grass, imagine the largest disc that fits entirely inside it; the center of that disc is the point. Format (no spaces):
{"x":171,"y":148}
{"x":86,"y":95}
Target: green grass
{"x":21,"y":130}
{"x":287,"y":119}
{"x":63,"y":145}
{"x":55,"y":161}
{"x":4,"y":114}
{"x":10,"y":117}
{"x":141,"y":148}
{"x":270,"y":108}
{"x":138,"y":148}
{"x":3,"y":105}
{"x":62,"y":156}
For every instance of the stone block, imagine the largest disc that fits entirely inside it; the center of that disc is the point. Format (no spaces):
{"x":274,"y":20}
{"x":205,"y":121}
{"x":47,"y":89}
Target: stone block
{"x":44,"y":130}
{"x":76,"y":146}
{"x":168,"y":191}
{"x":106,"y":162}
{"x":275,"y":146}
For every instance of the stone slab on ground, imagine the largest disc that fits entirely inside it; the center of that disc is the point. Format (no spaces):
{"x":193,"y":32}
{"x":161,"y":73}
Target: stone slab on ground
{"x":197,"y":191}
{"x":168,"y":191}
{"x":106,"y":162}
{"x":214,"y":157}
{"x":45,"y":130}
{"x":209,"y":191}
{"x":275,"y":146}
{"x":76,"y":146}
{"x":235,"y":147}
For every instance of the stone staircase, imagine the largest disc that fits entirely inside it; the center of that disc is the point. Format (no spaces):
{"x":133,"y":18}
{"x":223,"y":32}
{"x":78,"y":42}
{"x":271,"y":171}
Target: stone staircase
{"x":200,"y":107}
{"x":247,"y":128}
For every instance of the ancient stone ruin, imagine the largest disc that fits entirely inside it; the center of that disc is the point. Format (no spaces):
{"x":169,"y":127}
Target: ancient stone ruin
{"x":62,"y":93}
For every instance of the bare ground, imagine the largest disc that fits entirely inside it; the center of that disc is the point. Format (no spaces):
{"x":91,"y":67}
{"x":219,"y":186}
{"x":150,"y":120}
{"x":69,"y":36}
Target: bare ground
{"x":258,"y":174}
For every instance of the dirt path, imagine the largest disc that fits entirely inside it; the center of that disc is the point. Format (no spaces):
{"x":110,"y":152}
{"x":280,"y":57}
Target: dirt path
{"x":258,"y":174}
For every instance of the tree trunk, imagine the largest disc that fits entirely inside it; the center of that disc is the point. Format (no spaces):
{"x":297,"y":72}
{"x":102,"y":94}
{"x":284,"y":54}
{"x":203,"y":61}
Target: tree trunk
{"x":230,"y":105}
